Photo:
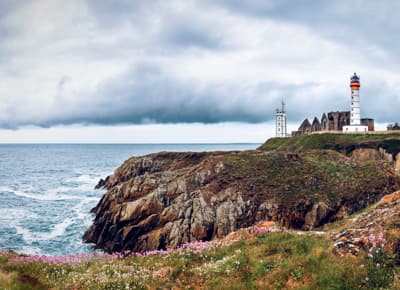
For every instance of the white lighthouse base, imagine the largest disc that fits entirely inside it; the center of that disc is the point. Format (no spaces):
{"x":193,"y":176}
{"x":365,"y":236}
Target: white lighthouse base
{"x":355,"y":129}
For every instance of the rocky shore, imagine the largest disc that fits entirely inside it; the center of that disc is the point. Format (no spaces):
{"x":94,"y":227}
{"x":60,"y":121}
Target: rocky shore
{"x":163,"y":200}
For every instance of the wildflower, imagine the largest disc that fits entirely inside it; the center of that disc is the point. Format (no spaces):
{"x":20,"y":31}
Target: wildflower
{"x":378,"y":265}
{"x":366,"y":279}
{"x":370,"y":255}
{"x":362,"y":266}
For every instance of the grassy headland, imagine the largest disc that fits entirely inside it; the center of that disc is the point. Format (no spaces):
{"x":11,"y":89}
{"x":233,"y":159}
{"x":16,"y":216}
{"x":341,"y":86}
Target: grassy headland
{"x":344,"y":143}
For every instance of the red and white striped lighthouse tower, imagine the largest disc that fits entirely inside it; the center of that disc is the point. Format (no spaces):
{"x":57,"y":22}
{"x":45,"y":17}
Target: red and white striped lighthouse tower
{"x":355,"y":112}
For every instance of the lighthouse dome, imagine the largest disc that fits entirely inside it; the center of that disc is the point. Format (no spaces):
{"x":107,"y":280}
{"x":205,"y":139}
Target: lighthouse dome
{"x":355,"y":78}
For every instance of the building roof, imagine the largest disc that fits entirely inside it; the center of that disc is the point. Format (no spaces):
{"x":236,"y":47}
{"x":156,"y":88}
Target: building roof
{"x":316,"y":122}
{"x":305,"y":125}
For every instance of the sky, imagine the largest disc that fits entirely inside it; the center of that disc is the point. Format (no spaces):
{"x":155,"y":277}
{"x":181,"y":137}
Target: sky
{"x":190,"y":71}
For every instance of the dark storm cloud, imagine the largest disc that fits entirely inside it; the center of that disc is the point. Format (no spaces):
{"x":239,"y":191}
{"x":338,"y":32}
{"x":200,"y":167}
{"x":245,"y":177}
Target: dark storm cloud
{"x":156,"y":43}
{"x":147,"y":95}
{"x":186,"y":35}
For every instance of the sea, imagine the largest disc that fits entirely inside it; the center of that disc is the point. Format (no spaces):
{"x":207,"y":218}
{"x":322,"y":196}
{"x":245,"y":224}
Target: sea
{"x":47,"y":190}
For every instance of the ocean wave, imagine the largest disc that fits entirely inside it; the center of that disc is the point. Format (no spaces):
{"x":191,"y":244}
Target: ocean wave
{"x":82,"y":212}
{"x":8,"y":215}
{"x":85,"y":178}
{"x":51,"y":195}
{"x":86,"y":182}
{"x":28,"y":250}
{"x":57,"y":230}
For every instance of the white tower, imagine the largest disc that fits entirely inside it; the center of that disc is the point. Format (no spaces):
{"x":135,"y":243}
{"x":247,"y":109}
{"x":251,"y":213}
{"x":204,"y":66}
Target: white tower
{"x":281,"y":122}
{"x":355,"y":118}
{"x":355,"y":112}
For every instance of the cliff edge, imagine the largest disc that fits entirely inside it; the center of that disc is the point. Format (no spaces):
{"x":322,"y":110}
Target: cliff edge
{"x":163,"y":200}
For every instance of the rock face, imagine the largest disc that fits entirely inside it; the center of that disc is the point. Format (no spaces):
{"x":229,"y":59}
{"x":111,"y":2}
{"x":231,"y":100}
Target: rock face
{"x":166,"y":199}
{"x":353,"y":233}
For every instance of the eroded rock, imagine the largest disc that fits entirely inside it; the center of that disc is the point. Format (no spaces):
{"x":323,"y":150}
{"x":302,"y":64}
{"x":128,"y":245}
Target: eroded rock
{"x":166,"y":199}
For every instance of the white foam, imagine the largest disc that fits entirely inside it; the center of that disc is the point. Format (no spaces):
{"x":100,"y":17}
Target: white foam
{"x":49,"y":196}
{"x":57,"y":230}
{"x":13,"y":214}
{"x":28,"y":250}
{"x":85,"y":179}
{"x":86,"y":182}
{"x":59,"y":189}
{"x":82,"y":212}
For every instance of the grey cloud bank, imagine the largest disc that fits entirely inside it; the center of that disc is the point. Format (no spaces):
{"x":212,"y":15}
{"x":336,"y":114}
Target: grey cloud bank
{"x":139,"y":62}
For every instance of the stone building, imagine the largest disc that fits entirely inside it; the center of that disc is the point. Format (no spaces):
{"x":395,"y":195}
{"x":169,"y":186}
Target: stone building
{"x":394,"y":127}
{"x":316,"y":125}
{"x":333,"y":121}
{"x":336,"y":120}
{"x":370,"y":123}
{"x":304,"y":129}
{"x":324,"y":123}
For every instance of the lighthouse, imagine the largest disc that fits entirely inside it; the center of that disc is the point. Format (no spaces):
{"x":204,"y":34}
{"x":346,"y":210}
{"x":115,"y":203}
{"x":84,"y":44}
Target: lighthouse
{"x":355,"y":118}
{"x":281,"y":122}
{"x":355,"y":112}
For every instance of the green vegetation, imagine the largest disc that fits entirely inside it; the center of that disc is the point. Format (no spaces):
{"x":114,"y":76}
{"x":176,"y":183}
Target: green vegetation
{"x":307,"y":176}
{"x":344,"y":143}
{"x":270,"y":261}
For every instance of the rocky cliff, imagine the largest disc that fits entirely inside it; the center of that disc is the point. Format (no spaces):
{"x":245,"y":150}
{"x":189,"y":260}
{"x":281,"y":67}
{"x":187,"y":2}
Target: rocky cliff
{"x":166,"y":199}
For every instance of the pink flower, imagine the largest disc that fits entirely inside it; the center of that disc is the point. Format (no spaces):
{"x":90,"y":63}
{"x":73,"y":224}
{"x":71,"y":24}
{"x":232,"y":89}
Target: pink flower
{"x":371,"y":237}
{"x":366,"y":279}
{"x":362,"y":266}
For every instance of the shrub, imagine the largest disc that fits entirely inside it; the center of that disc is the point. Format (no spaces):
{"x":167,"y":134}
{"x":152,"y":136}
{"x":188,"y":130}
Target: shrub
{"x":379,"y":265}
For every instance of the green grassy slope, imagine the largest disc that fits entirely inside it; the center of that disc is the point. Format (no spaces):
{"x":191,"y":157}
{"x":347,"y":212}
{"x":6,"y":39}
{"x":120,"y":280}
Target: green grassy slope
{"x":266,"y":261}
{"x":272,"y":261}
{"x":339,"y":142}
{"x":298,"y":179}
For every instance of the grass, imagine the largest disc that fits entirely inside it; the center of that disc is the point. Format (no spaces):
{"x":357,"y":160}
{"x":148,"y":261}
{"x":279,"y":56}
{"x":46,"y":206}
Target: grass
{"x":344,"y":143}
{"x":270,"y":261}
{"x":307,"y":176}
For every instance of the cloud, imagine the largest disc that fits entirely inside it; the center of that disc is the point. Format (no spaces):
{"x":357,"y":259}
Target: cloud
{"x":147,"y":94}
{"x":139,"y":62}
